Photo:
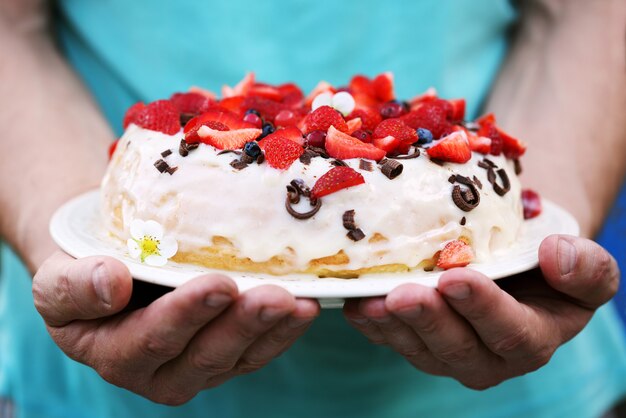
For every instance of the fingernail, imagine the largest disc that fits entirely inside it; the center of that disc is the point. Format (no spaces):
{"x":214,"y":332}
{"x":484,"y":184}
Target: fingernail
{"x":271,"y":314}
{"x":217,"y":300}
{"x":566,"y":252}
{"x":101,"y":284}
{"x":409,"y":312}
{"x":457,"y":291}
{"x":295,"y":322}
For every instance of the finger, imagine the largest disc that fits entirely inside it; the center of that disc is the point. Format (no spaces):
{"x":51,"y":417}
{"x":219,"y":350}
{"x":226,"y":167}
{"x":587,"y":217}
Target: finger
{"x":447,"y":337}
{"x":580,"y":268}
{"x":362,"y":323}
{"x":512,"y":330}
{"x":66,"y":289}
{"x":218,"y":347}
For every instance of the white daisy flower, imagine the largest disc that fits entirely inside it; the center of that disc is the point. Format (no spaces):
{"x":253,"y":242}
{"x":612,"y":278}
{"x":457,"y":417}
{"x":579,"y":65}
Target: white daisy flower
{"x":148,"y":244}
{"x":342,"y":101}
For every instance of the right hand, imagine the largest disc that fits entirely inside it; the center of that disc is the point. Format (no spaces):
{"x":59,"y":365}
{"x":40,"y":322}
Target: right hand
{"x":195,"y":337}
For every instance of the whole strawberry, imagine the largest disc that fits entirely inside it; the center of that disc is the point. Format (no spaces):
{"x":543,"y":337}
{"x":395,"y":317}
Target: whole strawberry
{"x":159,"y":116}
{"x":323,"y":118}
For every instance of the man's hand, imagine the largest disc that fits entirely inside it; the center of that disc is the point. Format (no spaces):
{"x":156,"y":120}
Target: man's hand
{"x":482,"y":332}
{"x":195,"y":337}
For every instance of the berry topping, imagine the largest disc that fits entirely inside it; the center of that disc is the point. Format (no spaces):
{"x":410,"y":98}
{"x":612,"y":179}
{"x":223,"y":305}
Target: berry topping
{"x":383,"y":87}
{"x":316,"y":139}
{"x":266,"y":107}
{"x":392,"y":109}
{"x":458,"y":109}
{"x":531,"y":202}
{"x":388,"y":144}
{"x":159,"y":116}
{"x":112,"y":148}
{"x":285,"y":118}
{"x":431,"y":115}
{"x":191,"y":103}
{"x":321,"y":87}
{"x":336,"y":179}
{"x":253,"y":119}
{"x":267,"y":129}
{"x":424,"y":136}
{"x":480,"y":144}
{"x":396,"y":128}
{"x":131,"y":114}
{"x":281,"y":152}
{"x":354,"y":125}
{"x":453,"y":148}
{"x":343,"y":146}
{"x":362,"y":135}
{"x":232,"y":139}
{"x":291,"y":133}
{"x":369,"y":118}
{"x":455,"y":254}
{"x":252,"y":149}
{"x":322,"y":118}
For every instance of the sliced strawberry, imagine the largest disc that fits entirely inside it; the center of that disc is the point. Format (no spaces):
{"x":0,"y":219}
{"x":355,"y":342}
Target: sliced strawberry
{"x":369,"y":117}
{"x":291,"y":133}
{"x":266,"y":107}
{"x":458,"y":109}
{"x":531,"y":203}
{"x":227,"y":139}
{"x":455,"y":254}
{"x":112,"y":148}
{"x":321,"y":87}
{"x":281,"y":152}
{"x":431,"y":115}
{"x":265,"y":90}
{"x":480,"y":144}
{"x":453,"y":148}
{"x":364,"y":101}
{"x":396,"y":128}
{"x":488,"y":119}
{"x":322,"y":118}
{"x":416,"y":101}
{"x":336,"y":179}
{"x":291,"y":95}
{"x":159,"y":116}
{"x":232,"y":104}
{"x":383,"y":87}
{"x":228,"y":118}
{"x":131,"y":114}
{"x":206,"y":93}
{"x":343,"y":146}
{"x":191,"y":103}
{"x":511,"y":147}
{"x":354,"y":125}
{"x":241,"y":89}
{"x":388,"y":144}
{"x":360,"y":84}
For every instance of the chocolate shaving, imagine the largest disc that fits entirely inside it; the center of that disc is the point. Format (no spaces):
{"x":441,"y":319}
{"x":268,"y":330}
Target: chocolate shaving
{"x":478,"y":182}
{"x":305,"y":158}
{"x":166,"y":153}
{"x":184,"y":147}
{"x":463,"y":180}
{"x":348,"y":220}
{"x":452,"y":179}
{"x":506,"y":184}
{"x":238,"y":164}
{"x":300,"y":186}
{"x":463,"y":221}
{"x":491,"y":175}
{"x":366,"y":165}
{"x":226,"y":151}
{"x":186,"y":117}
{"x":161,"y":165}
{"x":518,"y":166}
{"x":293,"y":194}
{"x":465,"y":200}
{"x":436,"y":161}
{"x":171,"y":170}
{"x":491,"y":163}
{"x":316,"y":203}
{"x":260,"y":159}
{"x":414,"y":154}
{"x":391,"y":169}
{"x":338,"y":163}
{"x":319,"y":151}
{"x":247,"y":158}
{"x":484,"y":165}
{"x":355,"y":234}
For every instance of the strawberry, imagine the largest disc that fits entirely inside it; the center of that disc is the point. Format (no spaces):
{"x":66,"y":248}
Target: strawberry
{"x":455,"y":254}
{"x":431,"y":115}
{"x":228,"y":118}
{"x":291,"y":95}
{"x":489,"y":130}
{"x":458,"y":109}
{"x":291,"y":133}
{"x":416,"y":101}
{"x":227,"y":139}
{"x":281,"y":152}
{"x":266,"y":107}
{"x":453,"y":148}
{"x":265,"y":90}
{"x":131,"y":114}
{"x":336,"y":179}
{"x":383,"y":87}
{"x":112,"y":148}
{"x":241,"y":89}
{"x":343,"y":146}
{"x":480,"y":144}
{"x":396,"y":128}
{"x":370,"y":118}
{"x":360,"y":84}
{"x":388,"y":144}
{"x":322,"y":118}
{"x":192,"y":103}
{"x":232,"y":104}
{"x":531,"y":203}
{"x":354,"y":125}
{"x":159,"y":116}
{"x":511,"y":147}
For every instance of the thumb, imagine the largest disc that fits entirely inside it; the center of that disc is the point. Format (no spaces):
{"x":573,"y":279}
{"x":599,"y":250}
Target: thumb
{"x":66,"y":289}
{"x":579,"y":268}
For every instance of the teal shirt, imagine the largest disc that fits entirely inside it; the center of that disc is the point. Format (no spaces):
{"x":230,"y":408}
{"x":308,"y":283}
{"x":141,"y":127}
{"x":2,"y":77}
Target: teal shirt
{"x":143,"y":50}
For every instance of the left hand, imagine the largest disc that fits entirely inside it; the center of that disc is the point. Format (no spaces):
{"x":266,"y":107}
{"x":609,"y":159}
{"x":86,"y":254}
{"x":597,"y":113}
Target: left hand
{"x":482,"y":332}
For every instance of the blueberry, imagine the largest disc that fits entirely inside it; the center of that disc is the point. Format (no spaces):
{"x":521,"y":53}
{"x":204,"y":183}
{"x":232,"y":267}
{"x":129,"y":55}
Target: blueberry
{"x":424,"y":136}
{"x":254,"y":111}
{"x":268,"y":128}
{"x":252,"y":149}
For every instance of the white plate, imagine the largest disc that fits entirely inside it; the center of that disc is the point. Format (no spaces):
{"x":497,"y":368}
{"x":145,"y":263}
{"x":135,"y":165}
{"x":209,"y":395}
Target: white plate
{"x":77,"y":230}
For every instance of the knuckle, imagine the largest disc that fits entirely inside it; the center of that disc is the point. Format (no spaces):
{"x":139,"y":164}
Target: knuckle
{"x":248,"y":365}
{"x":515,"y":341}
{"x":211,"y":366}
{"x":154,"y":347}
{"x":413,"y":351}
{"x":457,"y":354}
{"x":430,"y":327}
{"x":539,"y":359}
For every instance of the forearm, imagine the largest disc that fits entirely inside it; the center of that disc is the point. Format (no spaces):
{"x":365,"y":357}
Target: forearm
{"x":54,"y":140}
{"x":563,"y":90}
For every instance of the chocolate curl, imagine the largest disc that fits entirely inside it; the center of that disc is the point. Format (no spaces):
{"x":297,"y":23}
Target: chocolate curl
{"x":348,"y":220}
{"x":518,"y":166}
{"x":293,"y":194}
{"x":391,"y":169}
{"x":300,"y":186}
{"x":184,"y":147}
{"x":238,"y":164}
{"x":317,"y":204}
{"x":506,"y":184}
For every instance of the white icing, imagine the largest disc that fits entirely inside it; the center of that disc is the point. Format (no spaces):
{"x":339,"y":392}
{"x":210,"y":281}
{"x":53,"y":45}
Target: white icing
{"x":206,"y":197}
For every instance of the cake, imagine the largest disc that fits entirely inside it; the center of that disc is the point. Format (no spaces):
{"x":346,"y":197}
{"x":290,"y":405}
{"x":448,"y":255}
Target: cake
{"x":343,"y":182}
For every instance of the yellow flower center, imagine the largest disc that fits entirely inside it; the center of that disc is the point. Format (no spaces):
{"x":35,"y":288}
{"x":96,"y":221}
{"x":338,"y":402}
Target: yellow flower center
{"x":149,"y":246}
